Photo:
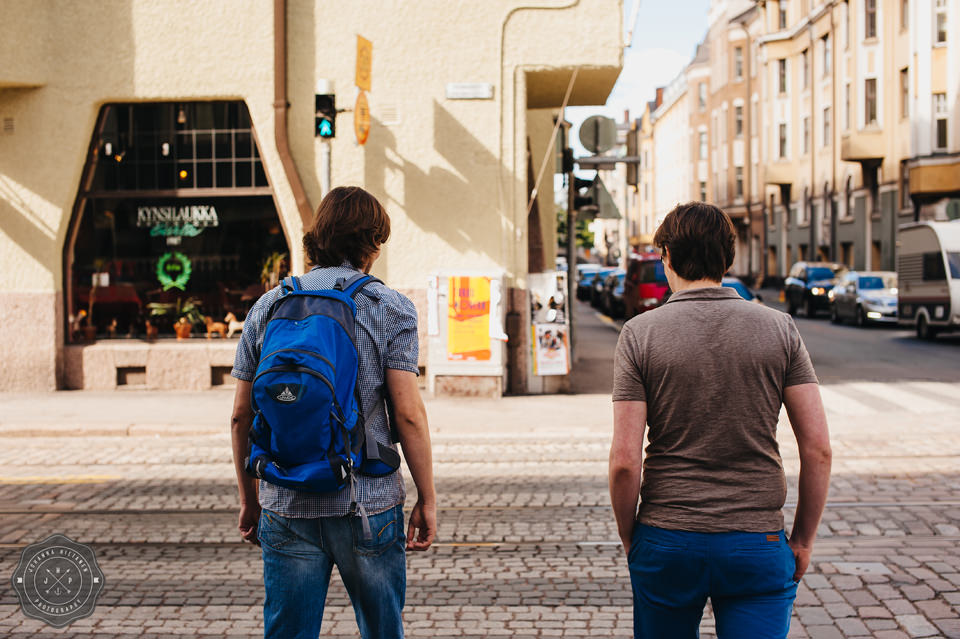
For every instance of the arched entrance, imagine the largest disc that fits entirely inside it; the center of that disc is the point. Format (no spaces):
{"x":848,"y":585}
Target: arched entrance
{"x":175,"y":219}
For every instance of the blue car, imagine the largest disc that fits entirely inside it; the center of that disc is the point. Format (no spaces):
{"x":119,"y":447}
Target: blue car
{"x":741,"y":288}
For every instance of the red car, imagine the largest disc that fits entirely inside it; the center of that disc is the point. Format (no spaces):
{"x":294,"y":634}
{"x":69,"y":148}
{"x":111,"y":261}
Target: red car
{"x":645,"y":285}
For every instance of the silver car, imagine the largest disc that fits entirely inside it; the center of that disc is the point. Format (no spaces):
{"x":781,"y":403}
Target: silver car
{"x":865,"y":297}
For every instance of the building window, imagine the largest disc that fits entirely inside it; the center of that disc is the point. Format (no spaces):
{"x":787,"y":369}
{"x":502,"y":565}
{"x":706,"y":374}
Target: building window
{"x":827,"y":54}
{"x":827,"y":126}
{"x":870,"y":18}
{"x":703,"y":145}
{"x":646,"y":191}
{"x":904,"y":185}
{"x":846,"y":107}
{"x":904,"y":15}
{"x":904,"y":92}
{"x":737,"y":63}
{"x":178,"y":220}
{"x":940,"y":121}
{"x":870,"y":102}
{"x":739,"y":182}
{"x":806,"y":68}
{"x":783,"y":140}
{"x":941,"y":32}
{"x":703,"y":191}
{"x":738,"y":121}
{"x":782,"y":74}
{"x":782,"y":14}
{"x":806,"y":135}
{"x":702,"y":96}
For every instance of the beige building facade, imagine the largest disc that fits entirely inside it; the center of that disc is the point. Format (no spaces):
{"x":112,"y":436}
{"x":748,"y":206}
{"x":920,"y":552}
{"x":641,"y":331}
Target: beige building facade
{"x":119,"y":114}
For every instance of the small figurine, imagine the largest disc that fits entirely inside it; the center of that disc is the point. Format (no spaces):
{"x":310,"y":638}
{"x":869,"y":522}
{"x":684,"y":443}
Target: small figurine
{"x":215,"y":327}
{"x":151,"y":330}
{"x":112,"y":328}
{"x":76,"y":324}
{"x":233,"y":324}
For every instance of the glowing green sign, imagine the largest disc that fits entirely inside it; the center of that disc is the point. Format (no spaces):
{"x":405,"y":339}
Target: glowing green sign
{"x":173,"y":270}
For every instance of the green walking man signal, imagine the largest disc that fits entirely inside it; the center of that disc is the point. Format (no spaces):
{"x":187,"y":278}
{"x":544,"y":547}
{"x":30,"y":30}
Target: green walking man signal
{"x":326,"y":116}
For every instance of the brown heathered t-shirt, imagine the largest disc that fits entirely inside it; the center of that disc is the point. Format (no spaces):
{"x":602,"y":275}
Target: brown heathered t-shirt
{"x":712,"y":368}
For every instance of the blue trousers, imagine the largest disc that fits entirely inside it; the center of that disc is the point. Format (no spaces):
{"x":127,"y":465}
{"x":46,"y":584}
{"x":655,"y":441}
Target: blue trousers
{"x":298,"y":558}
{"x":747,"y":576}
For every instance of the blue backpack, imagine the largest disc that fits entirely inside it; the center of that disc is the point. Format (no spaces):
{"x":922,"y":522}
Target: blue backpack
{"x":308,"y":431}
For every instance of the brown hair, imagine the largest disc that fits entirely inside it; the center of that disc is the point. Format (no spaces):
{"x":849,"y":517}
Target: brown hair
{"x":701,"y":241}
{"x":350,"y":225}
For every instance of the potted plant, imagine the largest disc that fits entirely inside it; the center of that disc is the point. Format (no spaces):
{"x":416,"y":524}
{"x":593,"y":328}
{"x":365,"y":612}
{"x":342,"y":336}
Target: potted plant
{"x":272,"y":268}
{"x":186,"y":311}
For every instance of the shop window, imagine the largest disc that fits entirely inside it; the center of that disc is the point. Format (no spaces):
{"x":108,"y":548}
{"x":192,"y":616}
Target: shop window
{"x":165,"y":231}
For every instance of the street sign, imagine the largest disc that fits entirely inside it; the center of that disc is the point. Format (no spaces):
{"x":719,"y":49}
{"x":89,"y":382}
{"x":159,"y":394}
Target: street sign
{"x":469,"y":91}
{"x":598,"y":133}
{"x":364,"y":63}
{"x":361,"y":118}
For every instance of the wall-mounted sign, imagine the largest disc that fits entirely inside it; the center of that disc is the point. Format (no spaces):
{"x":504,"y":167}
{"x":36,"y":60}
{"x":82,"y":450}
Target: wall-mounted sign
{"x":177,"y":221}
{"x":364,"y":63}
{"x":551,"y":349}
{"x":361,"y":118}
{"x":469,"y":91}
{"x":468,"y":319}
{"x":173,"y":270}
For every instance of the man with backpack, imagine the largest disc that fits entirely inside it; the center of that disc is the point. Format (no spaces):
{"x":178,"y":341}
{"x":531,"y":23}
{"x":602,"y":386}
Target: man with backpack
{"x":708,"y":373}
{"x":327,"y":383}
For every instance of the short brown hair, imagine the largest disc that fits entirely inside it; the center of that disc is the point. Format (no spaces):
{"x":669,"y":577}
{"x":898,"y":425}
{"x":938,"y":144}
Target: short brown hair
{"x":350,"y":225}
{"x":701,"y":241}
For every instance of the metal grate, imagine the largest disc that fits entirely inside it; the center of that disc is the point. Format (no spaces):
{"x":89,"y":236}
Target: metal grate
{"x":910,"y":268}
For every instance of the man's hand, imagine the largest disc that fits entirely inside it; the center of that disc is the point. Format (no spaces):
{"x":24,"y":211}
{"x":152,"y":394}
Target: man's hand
{"x":423,"y":526}
{"x":249,"y":519}
{"x":802,"y":556}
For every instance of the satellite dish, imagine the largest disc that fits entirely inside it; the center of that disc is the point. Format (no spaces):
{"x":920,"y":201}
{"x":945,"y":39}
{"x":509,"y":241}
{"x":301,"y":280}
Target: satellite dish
{"x":598,"y":133}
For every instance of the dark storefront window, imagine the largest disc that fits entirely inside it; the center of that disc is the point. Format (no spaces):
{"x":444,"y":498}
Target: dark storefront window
{"x":179,"y":222}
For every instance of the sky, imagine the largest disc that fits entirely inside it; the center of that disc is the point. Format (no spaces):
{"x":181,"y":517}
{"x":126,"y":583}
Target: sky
{"x":664,"y":41}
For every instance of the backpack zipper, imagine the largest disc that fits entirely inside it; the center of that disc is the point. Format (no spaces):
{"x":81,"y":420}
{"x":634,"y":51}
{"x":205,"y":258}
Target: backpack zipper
{"x":292,"y":368}
{"x":305,"y":352}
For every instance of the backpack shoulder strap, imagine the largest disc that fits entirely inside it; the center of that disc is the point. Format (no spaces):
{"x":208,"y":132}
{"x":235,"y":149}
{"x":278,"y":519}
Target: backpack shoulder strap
{"x":353,"y":285}
{"x":290,"y":284}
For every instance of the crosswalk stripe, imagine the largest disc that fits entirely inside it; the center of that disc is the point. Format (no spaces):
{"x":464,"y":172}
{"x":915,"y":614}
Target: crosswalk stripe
{"x":837,"y":402}
{"x":940,"y":389}
{"x":894,"y":394}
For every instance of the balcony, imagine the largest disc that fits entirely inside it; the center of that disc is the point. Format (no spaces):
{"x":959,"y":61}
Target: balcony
{"x":779,"y":173}
{"x":860,"y":146}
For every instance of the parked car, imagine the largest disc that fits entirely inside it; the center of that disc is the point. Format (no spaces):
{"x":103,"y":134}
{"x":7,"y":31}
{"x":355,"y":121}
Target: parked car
{"x":596,"y":285}
{"x":807,"y":286}
{"x":928,"y":268}
{"x":864,"y":297}
{"x":645,"y":285}
{"x":613,"y":293}
{"x":585,"y":273}
{"x":745,"y":291}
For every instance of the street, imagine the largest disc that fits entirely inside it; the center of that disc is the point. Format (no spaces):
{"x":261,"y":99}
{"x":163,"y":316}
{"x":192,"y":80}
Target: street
{"x":527,"y":545}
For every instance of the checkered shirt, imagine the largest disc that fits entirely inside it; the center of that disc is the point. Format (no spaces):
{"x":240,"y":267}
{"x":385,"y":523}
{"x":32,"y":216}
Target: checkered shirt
{"x":386,"y":334}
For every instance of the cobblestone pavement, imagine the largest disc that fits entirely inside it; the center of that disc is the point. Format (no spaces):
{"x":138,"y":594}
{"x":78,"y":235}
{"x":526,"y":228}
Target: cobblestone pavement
{"x":527,"y":546}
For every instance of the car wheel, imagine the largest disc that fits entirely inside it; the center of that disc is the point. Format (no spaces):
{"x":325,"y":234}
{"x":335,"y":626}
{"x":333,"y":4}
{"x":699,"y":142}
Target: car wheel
{"x":861,"y":317}
{"x":834,"y":316}
{"x":810,"y":308}
{"x":924,"y":330}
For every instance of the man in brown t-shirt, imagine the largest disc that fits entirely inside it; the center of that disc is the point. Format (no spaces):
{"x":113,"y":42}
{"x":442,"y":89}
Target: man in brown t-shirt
{"x":708,"y":373}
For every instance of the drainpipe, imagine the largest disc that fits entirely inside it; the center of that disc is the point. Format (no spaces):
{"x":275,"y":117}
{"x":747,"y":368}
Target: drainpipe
{"x":808,"y":199}
{"x":834,"y":123}
{"x":280,"y":106}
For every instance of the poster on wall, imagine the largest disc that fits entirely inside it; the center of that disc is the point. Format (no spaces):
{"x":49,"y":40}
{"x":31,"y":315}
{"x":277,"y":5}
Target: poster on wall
{"x":551,"y":352}
{"x":468,"y":319}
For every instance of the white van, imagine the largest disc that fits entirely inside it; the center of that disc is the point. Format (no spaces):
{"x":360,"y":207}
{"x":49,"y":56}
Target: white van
{"x":928,"y":267}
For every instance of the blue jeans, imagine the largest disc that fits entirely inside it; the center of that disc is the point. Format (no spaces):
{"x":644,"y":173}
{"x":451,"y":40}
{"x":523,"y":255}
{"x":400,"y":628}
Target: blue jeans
{"x":299,"y":555}
{"x":748,"y":577}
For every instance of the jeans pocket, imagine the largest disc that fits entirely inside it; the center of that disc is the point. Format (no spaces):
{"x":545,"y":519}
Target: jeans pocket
{"x":385,"y":529}
{"x":273,"y":530}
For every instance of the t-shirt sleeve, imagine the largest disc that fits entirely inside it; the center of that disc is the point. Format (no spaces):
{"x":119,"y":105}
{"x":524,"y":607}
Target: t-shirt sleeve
{"x":248,"y":350}
{"x":627,"y":373}
{"x":403,"y":347}
{"x":799,"y":368}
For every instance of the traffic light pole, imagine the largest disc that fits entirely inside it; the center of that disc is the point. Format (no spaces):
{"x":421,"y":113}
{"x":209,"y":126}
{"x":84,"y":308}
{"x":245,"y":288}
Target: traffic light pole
{"x":324,"y":167}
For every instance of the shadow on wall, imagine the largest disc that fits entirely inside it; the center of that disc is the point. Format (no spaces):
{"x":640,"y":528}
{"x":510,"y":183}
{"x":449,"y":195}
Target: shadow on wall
{"x":459,"y":208}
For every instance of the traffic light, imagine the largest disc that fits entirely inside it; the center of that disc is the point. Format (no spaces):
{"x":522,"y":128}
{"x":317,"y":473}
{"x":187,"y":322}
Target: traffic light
{"x":325,"y":125}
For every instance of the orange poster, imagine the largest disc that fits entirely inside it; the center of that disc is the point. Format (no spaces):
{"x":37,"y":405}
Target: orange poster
{"x":468,"y":319}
